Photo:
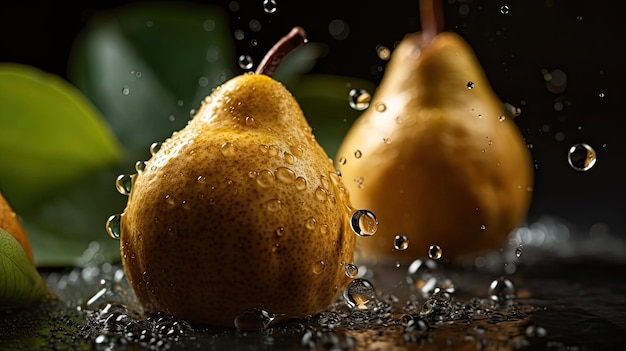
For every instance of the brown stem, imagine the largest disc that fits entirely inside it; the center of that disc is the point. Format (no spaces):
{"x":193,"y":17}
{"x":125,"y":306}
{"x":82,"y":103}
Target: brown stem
{"x":284,"y":46}
{"x":431,"y":16}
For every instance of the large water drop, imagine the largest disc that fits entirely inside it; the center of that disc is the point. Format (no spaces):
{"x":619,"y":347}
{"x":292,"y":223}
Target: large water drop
{"x":364,"y":222}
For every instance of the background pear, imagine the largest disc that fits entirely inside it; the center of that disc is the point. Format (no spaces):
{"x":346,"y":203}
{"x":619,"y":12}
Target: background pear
{"x":436,"y":157}
{"x":241,"y":209}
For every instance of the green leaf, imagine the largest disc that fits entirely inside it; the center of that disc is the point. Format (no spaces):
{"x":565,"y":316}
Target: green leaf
{"x":21,"y":285}
{"x":324,"y":99}
{"x":146,"y":66}
{"x":49,"y":134}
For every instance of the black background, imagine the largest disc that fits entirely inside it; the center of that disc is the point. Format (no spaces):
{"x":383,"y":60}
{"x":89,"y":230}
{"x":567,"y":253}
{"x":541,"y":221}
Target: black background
{"x":583,"y":39}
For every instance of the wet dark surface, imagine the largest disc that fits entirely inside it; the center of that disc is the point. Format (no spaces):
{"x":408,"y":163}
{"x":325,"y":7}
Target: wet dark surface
{"x":569,"y":295}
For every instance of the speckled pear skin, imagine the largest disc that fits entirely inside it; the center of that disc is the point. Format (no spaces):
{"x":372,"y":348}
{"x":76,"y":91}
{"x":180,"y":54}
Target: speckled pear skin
{"x":240,"y":209}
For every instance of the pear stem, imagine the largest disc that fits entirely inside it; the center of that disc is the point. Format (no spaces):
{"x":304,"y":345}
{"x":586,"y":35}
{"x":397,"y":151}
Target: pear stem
{"x":431,"y":16}
{"x":282,"y":48}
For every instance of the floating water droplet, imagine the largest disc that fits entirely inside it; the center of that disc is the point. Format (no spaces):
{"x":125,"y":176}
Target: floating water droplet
{"x":381,"y":107}
{"x":518,"y":251}
{"x":501,"y":118}
{"x":358,"y":154}
{"x":360,"y":294}
{"x":155,"y":147}
{"x":401,"y":242}
{"x":125,"y":90}
{"x":245,"y":62}
{"x":265,"y":179}
{"x":342,"y":160}
{"x":504,"y":9}
{"x":319,"y":267}
{"x":254,"y":319}
{"x":483,"y":227}
{"x":423,"y":276}
{"x":435,"y":252}
{"x":351,"y":270}
{"x":270,"y":6}
{"x":581,"y":157}
{"x":470,"y":85}
{"x":502,"y":290}
{"x":124,"y":184}
{"x":360,"y":99}
{"x":364,"y":222}
{"x":113,"y":226}
{"x":140,"y":166}
{"x":384,"y":53}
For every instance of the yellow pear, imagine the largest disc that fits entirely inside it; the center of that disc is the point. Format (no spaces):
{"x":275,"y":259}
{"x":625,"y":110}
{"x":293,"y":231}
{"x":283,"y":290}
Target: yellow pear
{"x":437,"y":156}
{"x":242,"y":210}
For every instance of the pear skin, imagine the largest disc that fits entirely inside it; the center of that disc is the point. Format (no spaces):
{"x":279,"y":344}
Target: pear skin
{"x":441,"y":159}
{"x":241,"y":209}
{"x":11,"y":223}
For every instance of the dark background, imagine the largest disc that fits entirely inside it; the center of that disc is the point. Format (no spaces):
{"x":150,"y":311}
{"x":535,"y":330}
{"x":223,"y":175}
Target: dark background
{"x":581,"y":38}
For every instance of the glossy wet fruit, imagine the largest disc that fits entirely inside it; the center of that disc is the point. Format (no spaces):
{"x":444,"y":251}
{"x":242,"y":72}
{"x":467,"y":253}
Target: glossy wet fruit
{"x":436,"y":157}
{"x":240,"y":211}
{"x":11,"y":223}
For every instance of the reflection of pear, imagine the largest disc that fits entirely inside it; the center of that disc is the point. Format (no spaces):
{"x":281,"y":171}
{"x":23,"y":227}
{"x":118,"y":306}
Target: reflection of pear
{"x":242,"y":209}
{"x":441,"y":161}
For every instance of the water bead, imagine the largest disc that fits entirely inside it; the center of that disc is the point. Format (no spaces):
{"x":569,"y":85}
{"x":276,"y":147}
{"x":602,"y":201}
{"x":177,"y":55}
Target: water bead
{"x":124,"y":184}
{"x":400,"y":242}
{"x":360,"y":294}
{"x":270,"y":6}
{"x":254,"y":319}
{"x":470,"y":85}
{"x":364,"y":222}
{"x":245,"y":62}
{"x":502,"y":290}
{"x":518,"y":251}
{"x":359,"y":99}
{"x":140,"y":166}
{"x":113,"y":226}
{"x":435,"y":252}
{"x":581,"y":157}
{"x":351,"y":270}
{"x":155,"y":147}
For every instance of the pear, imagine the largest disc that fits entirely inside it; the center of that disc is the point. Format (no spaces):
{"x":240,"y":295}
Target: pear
{"x":240,"y":215}
{"x":437,"y":156}
{"x":11,"y":223}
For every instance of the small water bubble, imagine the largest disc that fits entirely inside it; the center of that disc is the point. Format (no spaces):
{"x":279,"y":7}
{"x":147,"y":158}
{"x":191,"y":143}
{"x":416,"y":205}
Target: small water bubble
{"x":155,"y":147}
{"x":140,"y":166}
{"x":387,"y":140}
{"x":360,"y":294}
{"x":401,"y":242}
{"x":285,"y":175}
{"x":273,"y":205}
{"x":359,"y":99}
{"x":518,"y":251}
{"x":384,"y":53}
{"x":504,"y":9}
{"x":228,"y":149}
{"x":381,"y":107}
{"x":351,"y":270}
{"x":318,"y":267}
{"x":581,"y":157}
{"x":300,"y":183}
{"x":126,"y":90}
{"x":113,"y":226}
{"x":483,"y":227}
{"x":501,"y":118}
{"x":358,"y":154}
{"x":245,"y":62}
{"x":124,"y":184}
{"x":502,"y":290}
{"x":270,"y":6}
{"x":342,"y":160}
{"x":364,"y":222}
{"x":265,"y":178}
{"x":470,"y":85}
{"x":435,"y":252}
{"x":254,"y":319}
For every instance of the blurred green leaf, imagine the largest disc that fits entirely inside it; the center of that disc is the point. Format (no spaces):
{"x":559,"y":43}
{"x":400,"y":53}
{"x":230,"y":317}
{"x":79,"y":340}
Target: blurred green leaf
{"x":21,"y":285}
{"x":50,"y":134}
{"x":147,"y":65}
